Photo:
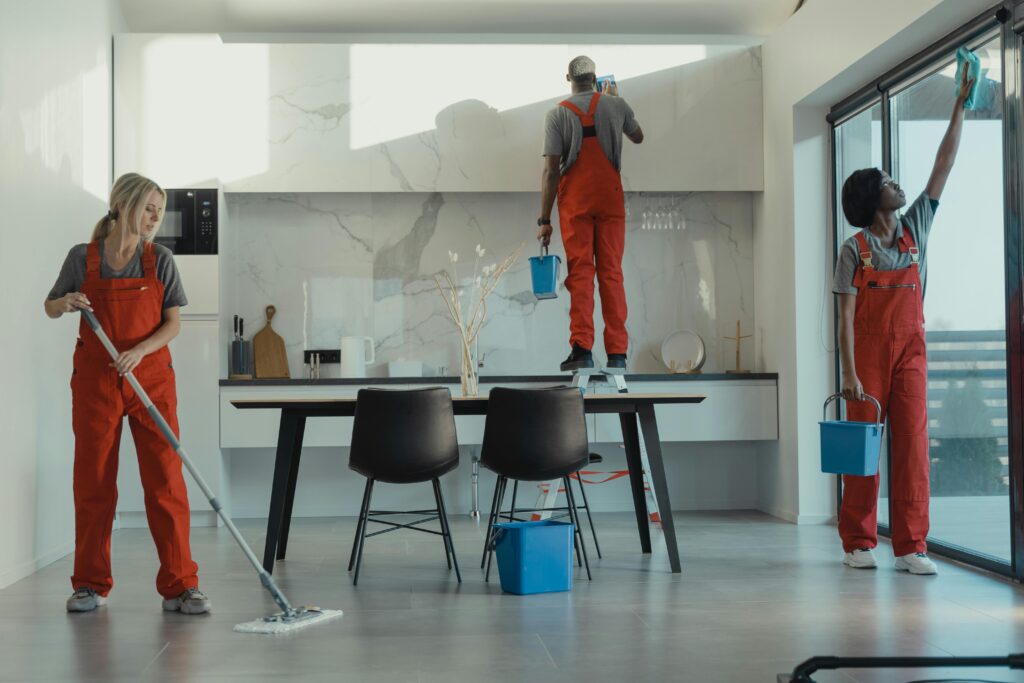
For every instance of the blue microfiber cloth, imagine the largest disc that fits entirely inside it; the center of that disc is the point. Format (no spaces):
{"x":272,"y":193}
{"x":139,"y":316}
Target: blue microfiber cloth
{"x":965,"y":59}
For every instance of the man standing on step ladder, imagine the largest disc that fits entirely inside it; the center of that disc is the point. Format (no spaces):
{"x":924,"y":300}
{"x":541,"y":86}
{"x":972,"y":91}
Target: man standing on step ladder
{"x":582,"y":158}
{"x":582,"y":155}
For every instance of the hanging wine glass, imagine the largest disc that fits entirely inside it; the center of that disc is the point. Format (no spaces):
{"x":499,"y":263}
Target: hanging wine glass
{"x":659,"y":219}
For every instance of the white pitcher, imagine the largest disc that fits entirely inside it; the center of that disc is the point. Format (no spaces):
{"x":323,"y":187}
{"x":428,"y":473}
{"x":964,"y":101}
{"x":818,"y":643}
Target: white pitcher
{"x":353,"y":356}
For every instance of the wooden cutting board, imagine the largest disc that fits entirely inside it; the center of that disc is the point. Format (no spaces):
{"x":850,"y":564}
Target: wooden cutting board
{"x":268,"y":351}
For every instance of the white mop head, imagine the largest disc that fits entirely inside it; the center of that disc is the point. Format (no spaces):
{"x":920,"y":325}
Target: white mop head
{"x":286,"y":623}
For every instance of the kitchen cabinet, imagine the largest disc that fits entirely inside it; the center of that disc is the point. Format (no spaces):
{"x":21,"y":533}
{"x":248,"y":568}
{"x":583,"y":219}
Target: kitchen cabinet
{"x":259,"y":117}
{"x":734,"y":410}
{"x":169,"y":117}
{"x":258,"y":428}
{"x":709,"y":467}
{"x":200,"y":276}
{"x":195,"y":356}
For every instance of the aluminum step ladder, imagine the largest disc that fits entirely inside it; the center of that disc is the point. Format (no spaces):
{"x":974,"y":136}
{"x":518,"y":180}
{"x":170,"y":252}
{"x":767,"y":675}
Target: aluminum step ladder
{"x":583,"y":379}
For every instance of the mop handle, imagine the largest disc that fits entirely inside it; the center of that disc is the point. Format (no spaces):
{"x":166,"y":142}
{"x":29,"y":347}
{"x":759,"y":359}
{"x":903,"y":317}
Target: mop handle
{"x":168,"y":433}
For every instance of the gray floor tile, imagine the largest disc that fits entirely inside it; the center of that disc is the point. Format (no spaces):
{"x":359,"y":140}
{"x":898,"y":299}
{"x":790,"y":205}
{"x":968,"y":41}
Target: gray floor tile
{"x":756,"y":597}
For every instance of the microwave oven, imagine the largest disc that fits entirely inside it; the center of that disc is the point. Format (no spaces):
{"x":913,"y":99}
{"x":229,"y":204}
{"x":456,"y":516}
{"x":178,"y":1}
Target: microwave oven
{"x":190,"y":222}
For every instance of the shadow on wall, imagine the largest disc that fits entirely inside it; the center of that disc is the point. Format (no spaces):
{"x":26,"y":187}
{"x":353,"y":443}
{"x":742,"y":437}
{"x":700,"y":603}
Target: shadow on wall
{"x":473,"y":139}
{"x":332,"y":123}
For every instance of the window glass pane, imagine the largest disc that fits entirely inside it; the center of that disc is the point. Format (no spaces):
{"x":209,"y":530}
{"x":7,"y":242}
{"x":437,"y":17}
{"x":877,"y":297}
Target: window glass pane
{"x":858,"y":145}
{"x":964,"y":307}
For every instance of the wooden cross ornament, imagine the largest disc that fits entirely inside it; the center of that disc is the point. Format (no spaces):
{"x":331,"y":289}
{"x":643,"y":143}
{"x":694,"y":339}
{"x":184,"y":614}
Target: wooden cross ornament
{"x":739,"y":341}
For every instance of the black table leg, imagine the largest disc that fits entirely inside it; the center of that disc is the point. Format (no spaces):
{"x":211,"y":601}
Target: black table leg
{"x":289,"y":442}
{"x":631,"y":440}
{"x":293,"y":475}
{"x":649,"y":425}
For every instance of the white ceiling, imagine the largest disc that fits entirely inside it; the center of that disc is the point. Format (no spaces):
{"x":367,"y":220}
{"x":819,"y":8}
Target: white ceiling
{"x":661,"y":17}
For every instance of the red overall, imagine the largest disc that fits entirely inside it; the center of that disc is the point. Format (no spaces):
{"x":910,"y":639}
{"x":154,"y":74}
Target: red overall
{"x":891,"y":362}
{"x":130,"y":310}
{"x":592,"y":219}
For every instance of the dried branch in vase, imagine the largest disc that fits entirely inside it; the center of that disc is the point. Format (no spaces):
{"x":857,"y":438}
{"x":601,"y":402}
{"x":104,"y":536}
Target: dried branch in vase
{"x":469,"y":318}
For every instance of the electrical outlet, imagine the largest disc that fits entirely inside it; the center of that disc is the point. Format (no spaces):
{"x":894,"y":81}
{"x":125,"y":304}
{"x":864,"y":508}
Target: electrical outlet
{"x":326,"y":355}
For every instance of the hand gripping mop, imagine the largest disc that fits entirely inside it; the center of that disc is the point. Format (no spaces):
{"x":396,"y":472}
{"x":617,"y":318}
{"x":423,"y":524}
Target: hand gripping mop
{"x":290,"y":618}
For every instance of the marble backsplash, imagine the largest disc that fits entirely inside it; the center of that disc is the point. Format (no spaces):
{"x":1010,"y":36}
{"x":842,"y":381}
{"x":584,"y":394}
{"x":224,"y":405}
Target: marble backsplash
{"x":364,"y":264}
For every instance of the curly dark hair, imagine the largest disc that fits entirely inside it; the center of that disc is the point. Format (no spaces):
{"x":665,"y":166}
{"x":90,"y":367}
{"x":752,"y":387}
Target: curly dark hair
{"x":862,"y":192}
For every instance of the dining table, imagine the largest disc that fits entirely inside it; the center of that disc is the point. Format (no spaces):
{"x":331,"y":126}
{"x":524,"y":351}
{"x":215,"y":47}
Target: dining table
{"x":631,"y":409}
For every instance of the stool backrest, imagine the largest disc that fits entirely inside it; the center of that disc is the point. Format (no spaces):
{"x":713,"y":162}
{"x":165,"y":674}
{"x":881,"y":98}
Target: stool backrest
{"x":535,"y":434}
{"x":398,"y":433}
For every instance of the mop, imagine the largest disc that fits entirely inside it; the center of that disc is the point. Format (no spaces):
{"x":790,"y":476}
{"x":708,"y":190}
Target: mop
{"x":289,"y":618}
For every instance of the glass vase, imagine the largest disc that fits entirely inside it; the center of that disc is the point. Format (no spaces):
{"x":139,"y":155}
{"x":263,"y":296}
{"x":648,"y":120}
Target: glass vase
{"x":470,"y":381}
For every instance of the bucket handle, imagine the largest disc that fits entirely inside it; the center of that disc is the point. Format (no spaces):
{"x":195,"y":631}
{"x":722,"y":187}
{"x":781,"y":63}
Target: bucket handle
{"x":543,"y":250}
{"x":833,"y":397}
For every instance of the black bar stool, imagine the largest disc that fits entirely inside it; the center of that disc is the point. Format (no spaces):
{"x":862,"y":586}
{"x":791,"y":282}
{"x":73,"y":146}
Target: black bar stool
{"x":534,"y":435}
{"x":403,"y":437}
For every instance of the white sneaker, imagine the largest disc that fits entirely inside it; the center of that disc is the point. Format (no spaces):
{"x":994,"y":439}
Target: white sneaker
{"x":85,"y":600}
{"x":861,"y":558}
{"x":916,"y":563}
{"x":191,"y":601}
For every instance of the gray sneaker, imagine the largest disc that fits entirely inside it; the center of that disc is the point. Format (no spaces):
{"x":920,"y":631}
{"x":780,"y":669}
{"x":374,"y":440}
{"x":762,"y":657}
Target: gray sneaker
{"x":85,"y":600}
{"x":192,"y":601}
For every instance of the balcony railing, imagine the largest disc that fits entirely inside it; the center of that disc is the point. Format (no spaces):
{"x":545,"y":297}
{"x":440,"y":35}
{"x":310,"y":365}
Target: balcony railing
{"x":967,"y":412}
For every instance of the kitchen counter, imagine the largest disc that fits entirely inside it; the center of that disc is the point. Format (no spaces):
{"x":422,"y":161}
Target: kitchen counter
{"x":492,"y":379}
{"x":712,"y":445}
{"x":738,"y":407}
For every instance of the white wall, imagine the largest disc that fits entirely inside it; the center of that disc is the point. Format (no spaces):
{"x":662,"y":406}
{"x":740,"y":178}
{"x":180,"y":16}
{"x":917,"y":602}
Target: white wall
{"x":54,"y":178}
{"x":808,"y":65}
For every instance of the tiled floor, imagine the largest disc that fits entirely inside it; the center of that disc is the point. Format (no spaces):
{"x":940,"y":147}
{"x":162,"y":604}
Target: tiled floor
{"x":756,"y":597}
{"x":981,"y":523}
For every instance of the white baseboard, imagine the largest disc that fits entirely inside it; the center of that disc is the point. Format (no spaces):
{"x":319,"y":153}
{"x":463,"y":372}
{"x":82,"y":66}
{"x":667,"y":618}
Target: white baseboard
{"x":796,"y":518}
{"x":784,"y":515}
{"x":137,"y":520}
{"x":32,"y":566}
{"x":810,"y":520}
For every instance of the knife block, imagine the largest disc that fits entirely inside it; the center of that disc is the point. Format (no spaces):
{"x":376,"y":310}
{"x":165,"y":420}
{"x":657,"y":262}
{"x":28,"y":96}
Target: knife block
{"x":240,"y":360}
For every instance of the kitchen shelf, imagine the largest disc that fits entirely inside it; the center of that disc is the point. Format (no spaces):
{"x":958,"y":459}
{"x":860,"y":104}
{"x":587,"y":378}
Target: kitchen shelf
{"x":491,"y":379}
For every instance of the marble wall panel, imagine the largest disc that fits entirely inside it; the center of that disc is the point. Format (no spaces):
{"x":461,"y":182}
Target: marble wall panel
{"x":462,"y":118}
{"x":364,"y":264}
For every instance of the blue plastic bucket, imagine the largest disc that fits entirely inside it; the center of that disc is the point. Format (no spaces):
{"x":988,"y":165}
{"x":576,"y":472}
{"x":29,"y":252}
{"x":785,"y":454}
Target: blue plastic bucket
{"x":544,"y":273}
{"x":534,"y":557}
{"x":851,"y":447}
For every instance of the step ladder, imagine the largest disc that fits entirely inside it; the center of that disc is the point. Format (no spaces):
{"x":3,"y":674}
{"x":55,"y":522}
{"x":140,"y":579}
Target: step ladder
{"x":583,"y":379}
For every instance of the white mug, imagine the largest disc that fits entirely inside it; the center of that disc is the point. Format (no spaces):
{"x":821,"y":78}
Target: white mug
{"x":353,"y":356}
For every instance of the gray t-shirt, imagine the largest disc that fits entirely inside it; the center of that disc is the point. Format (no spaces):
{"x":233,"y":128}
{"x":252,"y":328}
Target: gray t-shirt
{"x":918,"y":219}
{"x":563,"y":132}
{"x":72,"y":273}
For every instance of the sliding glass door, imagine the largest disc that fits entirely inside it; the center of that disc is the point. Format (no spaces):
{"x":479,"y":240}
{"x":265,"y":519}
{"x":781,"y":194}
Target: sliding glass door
{"x":965,"y":305}
{"x":975,"y":254}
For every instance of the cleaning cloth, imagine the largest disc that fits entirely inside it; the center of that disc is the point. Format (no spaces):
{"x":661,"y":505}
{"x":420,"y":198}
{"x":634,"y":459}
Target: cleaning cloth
{"x":965,"y":59}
